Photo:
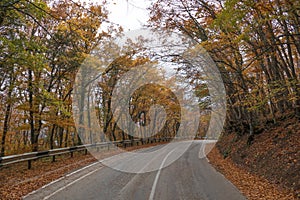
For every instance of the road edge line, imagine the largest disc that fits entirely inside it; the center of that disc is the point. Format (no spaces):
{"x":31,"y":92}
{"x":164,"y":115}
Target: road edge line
{"x":157,"y":176}
{"x":69,"y":184}
{"x":59,"y":179}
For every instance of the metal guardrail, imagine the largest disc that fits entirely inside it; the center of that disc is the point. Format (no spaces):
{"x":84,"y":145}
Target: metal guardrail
{"x":29,"y":157}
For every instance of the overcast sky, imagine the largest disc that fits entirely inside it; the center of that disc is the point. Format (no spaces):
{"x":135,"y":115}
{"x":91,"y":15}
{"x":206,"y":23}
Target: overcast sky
{"x":130,"y":14}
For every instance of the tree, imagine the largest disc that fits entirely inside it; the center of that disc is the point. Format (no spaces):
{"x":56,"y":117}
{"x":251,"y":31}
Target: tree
{"x":42,"y":47}
{"x":255,"y":47}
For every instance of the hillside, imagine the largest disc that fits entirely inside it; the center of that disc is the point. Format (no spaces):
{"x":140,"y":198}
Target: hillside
{"x":272,"y":155}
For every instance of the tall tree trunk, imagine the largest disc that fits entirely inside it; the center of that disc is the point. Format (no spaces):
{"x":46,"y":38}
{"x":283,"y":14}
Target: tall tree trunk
{"x":67,"y":137}
{"x":51,"y":141}
{"x":33,"y":139}
{"x":6,"y":120}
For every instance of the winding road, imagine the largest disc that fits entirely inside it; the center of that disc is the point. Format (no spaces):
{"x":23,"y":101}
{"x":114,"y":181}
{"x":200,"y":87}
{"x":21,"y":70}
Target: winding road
{"x":188,"y":177}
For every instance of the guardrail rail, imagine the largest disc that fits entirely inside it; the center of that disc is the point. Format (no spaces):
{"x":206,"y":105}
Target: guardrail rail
{"x":29,"y":157}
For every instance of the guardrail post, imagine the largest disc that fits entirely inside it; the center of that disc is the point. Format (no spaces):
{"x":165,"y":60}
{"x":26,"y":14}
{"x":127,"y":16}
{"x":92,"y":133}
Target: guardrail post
{"x":53,"y":158}
{"x":29,"y":164}
{"x":71,"y":154}
{"x":85,"y":152}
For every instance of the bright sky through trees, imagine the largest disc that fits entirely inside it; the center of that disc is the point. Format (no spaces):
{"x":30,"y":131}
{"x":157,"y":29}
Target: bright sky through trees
{"x":130,"y":14}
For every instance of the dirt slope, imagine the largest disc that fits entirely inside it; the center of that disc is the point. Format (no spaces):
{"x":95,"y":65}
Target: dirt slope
{"x":273,"y":155}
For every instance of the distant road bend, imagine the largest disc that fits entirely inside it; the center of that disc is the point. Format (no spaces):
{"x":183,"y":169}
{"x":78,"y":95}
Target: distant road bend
{"x":190,"y":177}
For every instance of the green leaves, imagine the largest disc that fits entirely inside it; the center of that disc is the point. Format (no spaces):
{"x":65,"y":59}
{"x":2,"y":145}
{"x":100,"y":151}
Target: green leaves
{"x":42,"y":48}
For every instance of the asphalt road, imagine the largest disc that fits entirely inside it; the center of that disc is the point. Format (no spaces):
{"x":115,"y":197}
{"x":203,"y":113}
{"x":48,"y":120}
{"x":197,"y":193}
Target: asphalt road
{"x":189,"y":177}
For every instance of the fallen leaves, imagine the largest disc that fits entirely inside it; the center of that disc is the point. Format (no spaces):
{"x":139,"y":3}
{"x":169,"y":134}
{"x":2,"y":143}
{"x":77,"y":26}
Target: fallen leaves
{"x":251,"y":185}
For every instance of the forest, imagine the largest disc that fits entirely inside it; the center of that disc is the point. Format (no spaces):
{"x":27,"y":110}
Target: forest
{"x":255,"y":45}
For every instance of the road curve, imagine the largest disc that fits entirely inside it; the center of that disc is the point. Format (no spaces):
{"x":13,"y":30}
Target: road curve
{"x":189,"y":177}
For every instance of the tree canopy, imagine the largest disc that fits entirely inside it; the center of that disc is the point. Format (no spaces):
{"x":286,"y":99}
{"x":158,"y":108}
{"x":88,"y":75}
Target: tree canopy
{"x":255,"y":44}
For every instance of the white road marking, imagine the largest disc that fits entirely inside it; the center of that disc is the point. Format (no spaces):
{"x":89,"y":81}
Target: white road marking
{"x":64,"y":187}
{"x":61,"y":178}
{"x":81,"y":169}
{"x":157,"y":176}
{"x":68,"y":175}
{"x":202,"y":153}
{"x":138,"y":173}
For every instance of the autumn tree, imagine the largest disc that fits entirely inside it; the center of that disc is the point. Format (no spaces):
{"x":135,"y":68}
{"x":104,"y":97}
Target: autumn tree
{"x":42,"y":48}
{"x":255,"y":47}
